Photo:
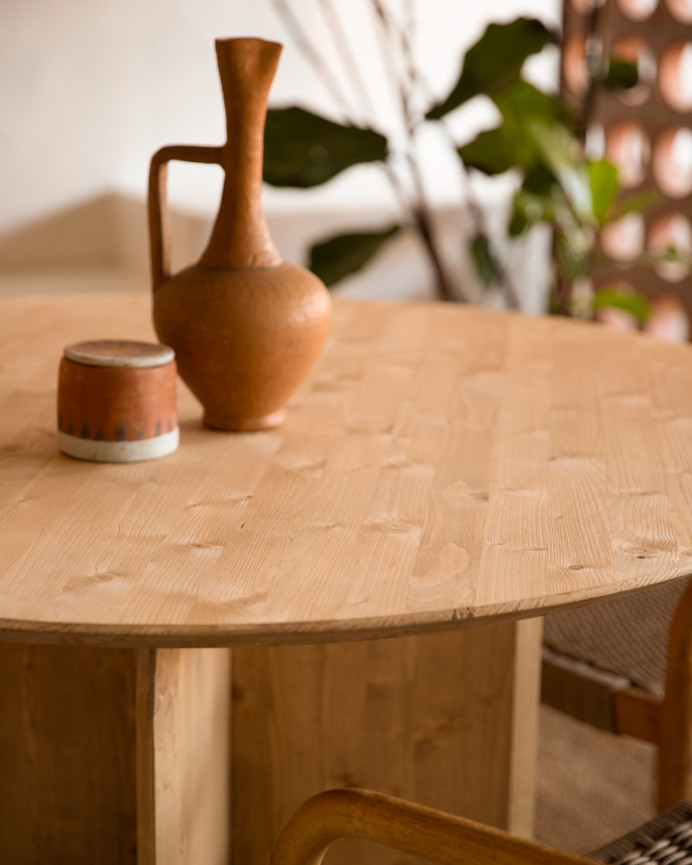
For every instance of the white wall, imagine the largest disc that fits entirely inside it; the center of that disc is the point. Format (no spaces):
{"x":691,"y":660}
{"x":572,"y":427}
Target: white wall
{"x":90,"y":88}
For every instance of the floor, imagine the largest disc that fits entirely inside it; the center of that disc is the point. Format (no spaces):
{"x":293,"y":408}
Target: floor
{"x":592,"y":786}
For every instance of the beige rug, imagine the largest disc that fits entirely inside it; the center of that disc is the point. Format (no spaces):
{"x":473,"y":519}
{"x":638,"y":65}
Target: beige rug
{"x":592,"y":786}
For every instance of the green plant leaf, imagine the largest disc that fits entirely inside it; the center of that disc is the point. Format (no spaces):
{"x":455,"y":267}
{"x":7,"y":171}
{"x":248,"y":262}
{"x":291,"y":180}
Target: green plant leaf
{"x":540,"y":199}
{"x":603,"y":180}
{"x":487,"y":266}
{"x":522,"y":107}
{"x":495,"y":61}
{"x":523,"y":102}
{"x":620,"y":75}
{"x":345,"y":254}
{"x":491,"y":152}
{"x":561,"y":153}
{"x":536,"y":208}
{"x":510,"y":145}
{"x":574,"y":246}
{"x":303,"y":149}
{"x":539,"y":180}
{"x":518,"y":223}
{"x":614,"y":297}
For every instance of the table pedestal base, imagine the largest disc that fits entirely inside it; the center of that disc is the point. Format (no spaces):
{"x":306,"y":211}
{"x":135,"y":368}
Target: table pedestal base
{"x":114,"y":756}
{"x":130,"y":757}
{"x":448,"y":720}
{"x":183,"y":756}
{"x":67,"y":755}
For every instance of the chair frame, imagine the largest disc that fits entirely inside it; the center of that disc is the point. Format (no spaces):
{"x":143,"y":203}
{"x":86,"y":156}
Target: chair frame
{"x":674,"y":715}
{"x":407,"y":827}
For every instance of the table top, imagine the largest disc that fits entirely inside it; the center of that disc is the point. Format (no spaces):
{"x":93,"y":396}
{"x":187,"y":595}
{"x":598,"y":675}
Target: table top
{"x":442,"y":465}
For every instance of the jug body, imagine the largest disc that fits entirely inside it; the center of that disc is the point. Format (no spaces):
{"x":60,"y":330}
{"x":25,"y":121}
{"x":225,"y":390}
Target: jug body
{"x":245,"y":325}
{"x":244,"y":339}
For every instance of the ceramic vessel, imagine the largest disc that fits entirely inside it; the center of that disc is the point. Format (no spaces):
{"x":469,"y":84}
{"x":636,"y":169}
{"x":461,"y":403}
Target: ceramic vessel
{"x":245,"y":325}
{"x":117,"y":401}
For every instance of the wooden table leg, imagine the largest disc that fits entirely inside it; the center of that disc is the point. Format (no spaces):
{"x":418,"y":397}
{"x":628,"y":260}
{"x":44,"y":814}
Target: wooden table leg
{"x":183,"y":771}
{"x":104,"y":751}
{"x":67,"y":756}
{"x":448,"y":720}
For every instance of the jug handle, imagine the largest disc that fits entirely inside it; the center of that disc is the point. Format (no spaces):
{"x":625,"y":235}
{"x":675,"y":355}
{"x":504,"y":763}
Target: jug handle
{"x":159,"y":219}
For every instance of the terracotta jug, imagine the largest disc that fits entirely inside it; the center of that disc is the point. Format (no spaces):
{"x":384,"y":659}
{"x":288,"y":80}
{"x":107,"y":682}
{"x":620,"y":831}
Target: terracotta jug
{"x":246,"y":326}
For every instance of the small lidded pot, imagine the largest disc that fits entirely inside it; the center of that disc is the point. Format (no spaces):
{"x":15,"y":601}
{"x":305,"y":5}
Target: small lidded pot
{"x":117,"y":401}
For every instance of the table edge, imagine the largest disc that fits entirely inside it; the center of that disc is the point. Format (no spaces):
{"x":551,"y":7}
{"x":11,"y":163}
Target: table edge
{"x":225,"y":635}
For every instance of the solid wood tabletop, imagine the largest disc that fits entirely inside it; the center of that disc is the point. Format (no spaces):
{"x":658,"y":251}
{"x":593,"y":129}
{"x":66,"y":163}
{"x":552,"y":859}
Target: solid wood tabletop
{"x":443,"y":464}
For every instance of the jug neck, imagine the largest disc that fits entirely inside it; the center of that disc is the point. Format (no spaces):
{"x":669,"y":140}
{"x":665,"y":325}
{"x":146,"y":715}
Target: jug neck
{"x":240,"y":237}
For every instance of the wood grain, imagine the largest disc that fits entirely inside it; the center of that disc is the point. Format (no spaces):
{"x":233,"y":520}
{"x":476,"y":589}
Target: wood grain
{"x":114,"y":756}
{"x":449,"y":720}
{"x":67,"y":756}
{"x":183,"y":756}
{"x":638,"y":713}
{"x":403,"y":826}
{"x":442,"y":465}
{"x":675,"y":719}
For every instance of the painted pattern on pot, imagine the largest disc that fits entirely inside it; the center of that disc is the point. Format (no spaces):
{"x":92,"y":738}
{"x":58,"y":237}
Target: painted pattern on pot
{"x":117,"y":401}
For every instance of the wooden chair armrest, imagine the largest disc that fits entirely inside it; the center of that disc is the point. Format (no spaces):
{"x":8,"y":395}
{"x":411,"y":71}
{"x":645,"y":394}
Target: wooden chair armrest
{"x":675,"y":759}
{"x":407,"y":827}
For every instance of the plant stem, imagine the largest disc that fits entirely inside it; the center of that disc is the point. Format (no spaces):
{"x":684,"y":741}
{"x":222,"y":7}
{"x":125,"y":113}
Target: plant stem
{"x":300,"y":37}
{"x":398,"y":188}
{"x":386,"y":29}
{"x":594,"y":69}
{"x":352,"y":70}
{"x":477,"y":215}
{"x":421,"y":211}
{"x":347,"y":58}
{"x":303,"y":43}
{"x":423,"y":224}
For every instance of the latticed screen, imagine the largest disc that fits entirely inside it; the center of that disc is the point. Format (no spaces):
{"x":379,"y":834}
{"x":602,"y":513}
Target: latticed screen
{"x":646,"y":130}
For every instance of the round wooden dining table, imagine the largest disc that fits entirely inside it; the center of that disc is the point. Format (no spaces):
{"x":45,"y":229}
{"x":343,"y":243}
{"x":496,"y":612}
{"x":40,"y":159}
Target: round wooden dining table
{"x":190,"y":646}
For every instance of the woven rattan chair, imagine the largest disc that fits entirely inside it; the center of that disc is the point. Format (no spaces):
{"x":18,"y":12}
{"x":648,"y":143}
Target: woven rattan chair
{"x":444,"y":838}
{"x":626,"y":666}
